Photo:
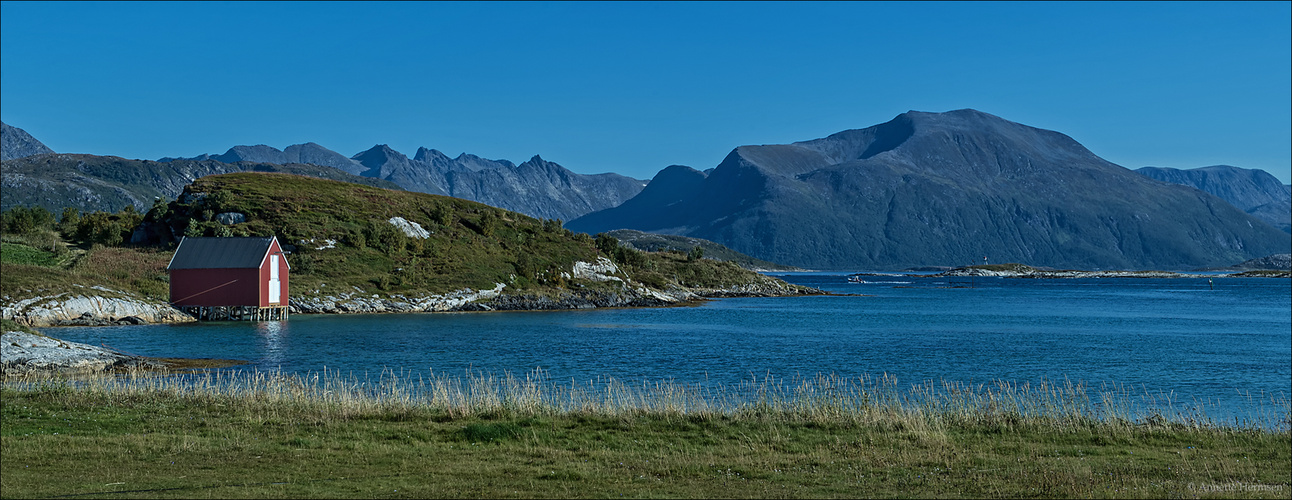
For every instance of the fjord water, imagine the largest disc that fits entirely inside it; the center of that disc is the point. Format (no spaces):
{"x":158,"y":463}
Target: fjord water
{"x":1226,"y":342}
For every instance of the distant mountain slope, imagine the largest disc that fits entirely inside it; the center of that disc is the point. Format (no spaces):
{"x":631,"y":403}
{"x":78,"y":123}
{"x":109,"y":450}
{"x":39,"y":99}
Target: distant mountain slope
{"x":17,"y":143}
{"x":651,"y":242}
{"x":537,"y":188}
{"x":108,"y":183}
{"x":308,"y":153}
{"x":1254,"y":191}
{"x":1281,"y":261}
{"x":947,"y":189}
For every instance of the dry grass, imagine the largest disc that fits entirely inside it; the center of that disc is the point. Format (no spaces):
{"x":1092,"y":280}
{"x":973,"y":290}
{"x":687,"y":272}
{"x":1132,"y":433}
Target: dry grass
{"x":823,"y":399}
{"x":267,"y":434}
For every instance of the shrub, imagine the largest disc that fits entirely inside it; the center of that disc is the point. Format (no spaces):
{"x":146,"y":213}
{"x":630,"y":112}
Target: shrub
{"x":67,"y":224}
{"x":23,"y":220}
{"x":607,"y":244}
{"x":696,"y":253}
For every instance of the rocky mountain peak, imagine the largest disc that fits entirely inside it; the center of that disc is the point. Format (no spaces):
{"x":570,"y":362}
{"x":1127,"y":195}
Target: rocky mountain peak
{"x":259,"y":153}
{"x":17,"y":143}
{"x":941,"y":188}
{"x":428,"y":155}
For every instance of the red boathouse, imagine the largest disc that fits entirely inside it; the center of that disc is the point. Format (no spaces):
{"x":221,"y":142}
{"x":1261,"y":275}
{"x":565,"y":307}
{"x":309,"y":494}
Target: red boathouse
{"x":229,"y":278}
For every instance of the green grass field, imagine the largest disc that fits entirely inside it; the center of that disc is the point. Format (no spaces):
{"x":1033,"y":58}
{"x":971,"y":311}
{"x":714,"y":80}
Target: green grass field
{"x":265,"y":435}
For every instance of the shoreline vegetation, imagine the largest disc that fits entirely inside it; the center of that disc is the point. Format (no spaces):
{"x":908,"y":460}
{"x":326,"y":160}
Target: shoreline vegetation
{"x":268,"y":434}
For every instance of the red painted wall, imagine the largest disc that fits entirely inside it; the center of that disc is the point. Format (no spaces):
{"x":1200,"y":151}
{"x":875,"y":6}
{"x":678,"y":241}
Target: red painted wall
{"x":214,"y":287}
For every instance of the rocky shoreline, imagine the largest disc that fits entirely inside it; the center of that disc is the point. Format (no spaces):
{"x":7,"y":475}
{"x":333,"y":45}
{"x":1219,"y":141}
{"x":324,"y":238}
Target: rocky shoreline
{"x":23,"y":353}
{"x":90,"y":306}
{"x":629,"y":295}
{"x":1022,"y":271}
{"x":610,"y":287}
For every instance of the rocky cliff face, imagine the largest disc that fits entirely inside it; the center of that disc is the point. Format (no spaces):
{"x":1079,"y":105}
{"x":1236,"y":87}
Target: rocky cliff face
{"x":1254,"y":191}
{"x":17,"y":143}
{"x":947,"y":189}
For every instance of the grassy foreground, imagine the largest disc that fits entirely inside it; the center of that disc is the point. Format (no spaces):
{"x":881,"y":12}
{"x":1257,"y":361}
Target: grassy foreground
{"x":267,"y":435}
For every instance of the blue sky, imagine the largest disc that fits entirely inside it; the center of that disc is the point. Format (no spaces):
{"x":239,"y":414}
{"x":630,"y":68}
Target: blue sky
{"x":634,"y":87}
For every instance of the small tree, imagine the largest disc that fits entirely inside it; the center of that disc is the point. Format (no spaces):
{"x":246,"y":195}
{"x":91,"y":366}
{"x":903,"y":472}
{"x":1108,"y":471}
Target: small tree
{"x":42,"y":218}
{"x":18,"y":220}
{"x":67,"y":224}
{"x":194,"y":229}
{"x":606,"y":244}
{"x":109,"y":234}
{"x":488,"y":223}
{"x":159,"y":211}
{"x":696,"y":253}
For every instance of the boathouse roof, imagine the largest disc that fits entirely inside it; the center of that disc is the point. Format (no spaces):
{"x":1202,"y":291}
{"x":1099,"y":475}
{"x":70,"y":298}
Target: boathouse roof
{"x":220,"y":253}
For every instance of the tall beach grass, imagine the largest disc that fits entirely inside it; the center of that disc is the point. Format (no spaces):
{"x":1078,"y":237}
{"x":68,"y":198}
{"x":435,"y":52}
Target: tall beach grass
{"x":824,"y":399}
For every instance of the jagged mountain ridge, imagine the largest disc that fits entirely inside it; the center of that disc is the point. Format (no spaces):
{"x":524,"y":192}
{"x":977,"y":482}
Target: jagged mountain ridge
{"x":109,"y":183}
{"x":1252,"y":190}
{"x":947,"y":189}
{"x":537,"y":187}
{"x":17,"y":143}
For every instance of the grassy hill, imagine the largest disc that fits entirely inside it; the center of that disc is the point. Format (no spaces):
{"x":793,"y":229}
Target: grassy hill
{"x":340,"y":238}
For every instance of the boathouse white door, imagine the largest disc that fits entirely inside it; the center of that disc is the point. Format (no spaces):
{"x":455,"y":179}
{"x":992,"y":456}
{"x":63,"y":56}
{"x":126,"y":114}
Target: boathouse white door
{"x":275,"y":286}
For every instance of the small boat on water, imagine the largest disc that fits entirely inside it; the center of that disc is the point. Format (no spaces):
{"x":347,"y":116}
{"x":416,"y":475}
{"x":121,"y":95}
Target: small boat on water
{"x":856,"y":279}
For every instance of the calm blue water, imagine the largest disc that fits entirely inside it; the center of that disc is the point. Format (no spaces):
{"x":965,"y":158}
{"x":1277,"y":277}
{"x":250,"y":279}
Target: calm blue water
{"x":1162,"y":335}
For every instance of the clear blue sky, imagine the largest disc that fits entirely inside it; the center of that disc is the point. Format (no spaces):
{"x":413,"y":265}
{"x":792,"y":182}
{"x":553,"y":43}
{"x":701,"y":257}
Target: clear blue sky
{"x":635,"y":87}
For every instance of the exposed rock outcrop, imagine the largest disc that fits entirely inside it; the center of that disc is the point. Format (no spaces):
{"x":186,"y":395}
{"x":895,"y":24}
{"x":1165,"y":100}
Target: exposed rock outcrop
{"x":622,"y":292}
{"x":358,"y":302}
{"x":23,"y":353}
{"x":409,"y":228}
{"x":94,"y":306}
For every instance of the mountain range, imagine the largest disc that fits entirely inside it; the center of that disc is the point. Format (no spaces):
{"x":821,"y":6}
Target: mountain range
{"x":537,"y":187}
{"x":1254,"y":191}
{"x":922,"y":189}
{"x":109,"y":183}
{"x":942,"y":189}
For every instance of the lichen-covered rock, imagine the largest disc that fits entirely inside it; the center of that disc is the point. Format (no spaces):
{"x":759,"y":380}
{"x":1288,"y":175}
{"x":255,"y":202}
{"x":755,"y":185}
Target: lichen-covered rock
{"x":410,"y":228}
{"x":358,"y":301}
{"x":231,"y":218}
{"x":94,"y":307}
{"x":601,"y":270}
{"x":23,"y":353}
